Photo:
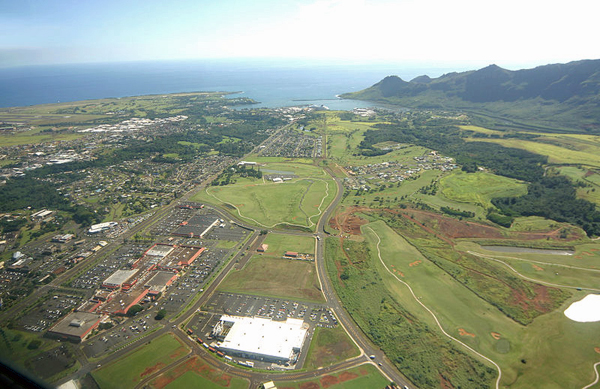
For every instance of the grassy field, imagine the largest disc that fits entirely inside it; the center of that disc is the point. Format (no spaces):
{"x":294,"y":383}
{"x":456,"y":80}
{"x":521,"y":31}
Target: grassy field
{"x":560,"y":363}
{"x":267,"y":205}
{"x":275,"y":277}
{"x":365,"y":376}
{"x":403,"y":332}
{"x":329,"y":346}
{"x":479,"y":188}
{"x":140,"y":363}
{"x":298,"y":202}
{"x":195,"y":373}
{"x":35,"y":137}
{"x":565,"y":150}
{"x":591,"y":192}
{"x":280,"y":243}
{"x":14,"y":347}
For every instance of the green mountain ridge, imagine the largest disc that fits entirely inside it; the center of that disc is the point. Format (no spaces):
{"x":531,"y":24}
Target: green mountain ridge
{"x":557,"y":95}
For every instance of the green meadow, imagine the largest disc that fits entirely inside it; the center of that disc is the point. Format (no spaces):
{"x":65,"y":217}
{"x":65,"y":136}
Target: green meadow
{"x":298,"y":202}
{"x":280,"y":243}
{"x":467,"y":317}
{"x":141,"y":362}
{"x":275,"y":277}
{"x":479,"y":188}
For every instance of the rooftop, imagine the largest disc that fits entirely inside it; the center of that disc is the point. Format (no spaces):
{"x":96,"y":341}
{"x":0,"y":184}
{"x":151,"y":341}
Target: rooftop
{"x":258,"y":335}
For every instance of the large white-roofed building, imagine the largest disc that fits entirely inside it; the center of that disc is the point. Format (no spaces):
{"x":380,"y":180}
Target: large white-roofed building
{"x":260,"y":338}
{"x":120,"y":279}
{"x":94,"y":229}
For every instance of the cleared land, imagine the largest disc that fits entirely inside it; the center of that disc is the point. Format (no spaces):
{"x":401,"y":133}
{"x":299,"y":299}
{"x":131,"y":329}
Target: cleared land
{"x":275,"y":277}
{"x":132,"y":368}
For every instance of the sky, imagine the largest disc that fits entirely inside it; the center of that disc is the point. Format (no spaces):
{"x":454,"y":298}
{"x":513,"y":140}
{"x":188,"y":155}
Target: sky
{"x":510,"y":33}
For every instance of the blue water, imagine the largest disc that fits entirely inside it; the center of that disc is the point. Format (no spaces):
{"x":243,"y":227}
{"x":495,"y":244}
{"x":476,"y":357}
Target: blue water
{"x":272,"y":84}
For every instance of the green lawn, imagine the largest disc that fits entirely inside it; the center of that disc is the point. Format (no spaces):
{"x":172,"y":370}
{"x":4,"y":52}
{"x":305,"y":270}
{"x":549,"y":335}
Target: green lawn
{"x":280,"y":243}
{"x":132,"y":368}
{"x":275,"y":277}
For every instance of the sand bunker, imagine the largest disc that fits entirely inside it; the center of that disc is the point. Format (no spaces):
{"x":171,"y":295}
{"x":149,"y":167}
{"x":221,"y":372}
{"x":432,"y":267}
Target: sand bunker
{"x":585,"y":310}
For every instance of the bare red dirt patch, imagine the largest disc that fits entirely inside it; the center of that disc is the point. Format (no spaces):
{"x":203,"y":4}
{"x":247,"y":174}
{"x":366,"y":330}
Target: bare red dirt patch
{"x":444,"y":383}
{"x":310,"y":385}
{"x":463,"y":332}
{"x":496,"y":335}
{"x":152,"y":369}
{"x":347,"y":376}
{"x":328,"y":380}
{"x":347,"y":222}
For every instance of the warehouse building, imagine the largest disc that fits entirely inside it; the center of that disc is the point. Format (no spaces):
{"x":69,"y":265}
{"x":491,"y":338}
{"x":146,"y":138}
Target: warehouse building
{"x":121,"y":279}
{"x":261,"y":339}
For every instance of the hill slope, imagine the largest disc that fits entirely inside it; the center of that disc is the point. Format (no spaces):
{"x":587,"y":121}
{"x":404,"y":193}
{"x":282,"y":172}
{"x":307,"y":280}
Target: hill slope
{"x":558,"y":95}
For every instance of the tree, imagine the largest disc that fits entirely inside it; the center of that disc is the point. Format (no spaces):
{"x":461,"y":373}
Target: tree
{"x":160,"y":314}
{"x":134,"y":310}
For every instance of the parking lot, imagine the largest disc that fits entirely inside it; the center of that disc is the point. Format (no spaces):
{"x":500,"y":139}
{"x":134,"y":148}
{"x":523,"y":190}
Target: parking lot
{"x":193,"y":280}
{"x":277,"y":309}
{"x":93,"y":278}
{"x":120,"y":335}
{"x":49,"y":311}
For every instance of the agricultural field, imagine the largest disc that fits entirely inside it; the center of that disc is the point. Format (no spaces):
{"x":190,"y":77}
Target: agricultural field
{"x":144,"y":361}
{"x":275,"y":277}
{"x":569,"y":149}
{"x":365,"y":376}
{"x":195,"y":373}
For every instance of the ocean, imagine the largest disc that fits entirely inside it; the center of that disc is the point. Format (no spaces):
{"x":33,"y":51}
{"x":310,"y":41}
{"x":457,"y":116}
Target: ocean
{"x":273,"y":84}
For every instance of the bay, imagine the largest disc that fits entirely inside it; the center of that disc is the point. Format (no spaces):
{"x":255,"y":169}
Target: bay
{"x":272,"y":83}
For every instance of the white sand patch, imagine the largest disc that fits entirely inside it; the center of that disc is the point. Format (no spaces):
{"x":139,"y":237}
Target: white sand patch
{"x":585,"y":310}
